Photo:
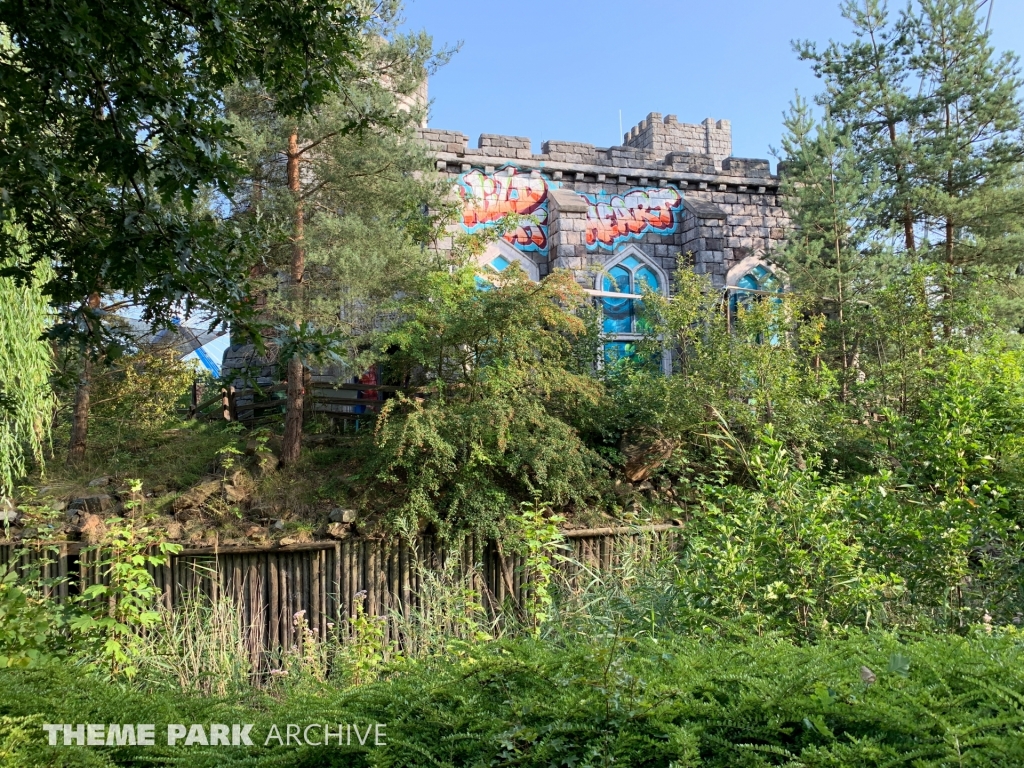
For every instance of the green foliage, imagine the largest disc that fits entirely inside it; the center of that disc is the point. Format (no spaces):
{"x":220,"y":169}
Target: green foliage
{"x":115,"y":610}
{"x":140,"y":392}
{"x":868,"y":700}
{"x":502,"y":404}
{"x":787,"y":556}
{"x":965,"y":436}
{"x":535,"y":534}
{"x":113,"y":130}
{"x":26,"y":402}
{"x":730,"y":378}
{"x":30,"y":623}
{"x":934,"y":113}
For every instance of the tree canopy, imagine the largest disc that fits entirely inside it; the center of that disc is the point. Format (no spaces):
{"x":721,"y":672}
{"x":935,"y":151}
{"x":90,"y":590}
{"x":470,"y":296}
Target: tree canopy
{"x":114,"y":146}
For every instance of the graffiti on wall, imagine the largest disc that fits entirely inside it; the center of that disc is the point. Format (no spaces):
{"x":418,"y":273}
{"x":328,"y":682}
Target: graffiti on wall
{"x":613,"y":219}
{"x":488,"y":197}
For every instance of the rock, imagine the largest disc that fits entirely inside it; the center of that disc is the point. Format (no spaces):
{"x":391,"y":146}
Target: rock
{"x":301,"y":537}
{"x":256,"y":532}
{"x":338,"y":531}
{"x":623,"y":489}
{"x":59,"y":506}
{"x":645,"y":456}
{"x":267,"y":463}
{"x":8,"y":513}
{"x":175,"y":530}
{"x":95,"y":504}
{"x":197,"y":496}
{"x":235,"y":494}
{"x":98,"y":482}
{"x":91,"y":528}
{"x":339,"y":515}
{"x":278,"y":525}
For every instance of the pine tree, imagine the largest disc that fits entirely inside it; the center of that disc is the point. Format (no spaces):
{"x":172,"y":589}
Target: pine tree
{"x":927,"y":102}
{"x":346,"y":207}
{"x":867,"y":93}
{"x":971,"y":152}
{"x":830,"y":256}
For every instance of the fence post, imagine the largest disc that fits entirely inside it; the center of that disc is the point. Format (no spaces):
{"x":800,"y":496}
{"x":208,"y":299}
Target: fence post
{"x":230,"y":407}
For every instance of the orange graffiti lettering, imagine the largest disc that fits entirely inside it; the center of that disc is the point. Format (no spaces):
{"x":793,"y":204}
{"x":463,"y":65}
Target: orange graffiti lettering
{"x":487,"y":198}
{"x":638,"y":212}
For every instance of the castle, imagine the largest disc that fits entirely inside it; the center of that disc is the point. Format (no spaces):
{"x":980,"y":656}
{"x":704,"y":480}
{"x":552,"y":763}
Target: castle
{"x":617,"y":217}
{"x":620,"y":216}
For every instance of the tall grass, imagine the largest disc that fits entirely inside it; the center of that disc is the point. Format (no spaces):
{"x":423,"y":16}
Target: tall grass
{"x":202,"y":645}
{"x":199,"y":646}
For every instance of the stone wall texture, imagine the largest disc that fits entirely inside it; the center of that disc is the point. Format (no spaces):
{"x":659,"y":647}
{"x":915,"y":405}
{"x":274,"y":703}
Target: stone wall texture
{"x":730,"y":205}
{"x":670,"y":190}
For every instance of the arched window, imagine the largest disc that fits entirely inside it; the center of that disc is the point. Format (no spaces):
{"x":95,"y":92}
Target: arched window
{"x":497,"y":258}
{"x":750,"y":281}
{"x":757,"y":282}
{"x":629,"y":274}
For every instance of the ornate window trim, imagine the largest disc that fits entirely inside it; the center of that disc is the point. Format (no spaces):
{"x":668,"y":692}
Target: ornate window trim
{"x":600,"y":294}
{"x":510,"y":254}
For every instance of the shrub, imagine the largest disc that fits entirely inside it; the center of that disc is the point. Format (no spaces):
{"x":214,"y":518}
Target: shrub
{"x":499,"y":417}
{"x":868,"y":700}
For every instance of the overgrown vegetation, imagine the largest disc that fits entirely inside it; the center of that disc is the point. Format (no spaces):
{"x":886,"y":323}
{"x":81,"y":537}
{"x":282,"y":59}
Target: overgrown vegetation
{"x":844,"y":450}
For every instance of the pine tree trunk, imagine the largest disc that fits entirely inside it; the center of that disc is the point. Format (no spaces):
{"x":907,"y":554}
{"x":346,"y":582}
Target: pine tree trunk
{"x":292,"y":443}
{"x":80,"y":414}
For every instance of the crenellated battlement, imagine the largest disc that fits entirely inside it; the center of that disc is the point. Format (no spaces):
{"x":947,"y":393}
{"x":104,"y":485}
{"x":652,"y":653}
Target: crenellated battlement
{"x":656,"y":147}
{"x":663,"y":135}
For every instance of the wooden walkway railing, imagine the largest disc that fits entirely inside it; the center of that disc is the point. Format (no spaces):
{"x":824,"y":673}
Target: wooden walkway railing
{"x":341,"y":401}
{"x":327,"y":580}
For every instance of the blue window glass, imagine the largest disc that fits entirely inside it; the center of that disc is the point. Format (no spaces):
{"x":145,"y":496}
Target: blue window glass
{"x":628,"y":276}
{"x":618,"y":313}
{"x":646,"y":277}
{"x":618,"y":351}
{"x":500,"y":263}
{"x":763,"y":281}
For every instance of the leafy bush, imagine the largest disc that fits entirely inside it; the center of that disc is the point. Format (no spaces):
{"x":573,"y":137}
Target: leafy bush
{"x":965,"y":436}
{"x":787,"y":555}
{"x":502,"y":404}
{"x":869,"y":700}
{"x":730,"y":378}
{"x":142,"y":390}
{"x":30,"y":624}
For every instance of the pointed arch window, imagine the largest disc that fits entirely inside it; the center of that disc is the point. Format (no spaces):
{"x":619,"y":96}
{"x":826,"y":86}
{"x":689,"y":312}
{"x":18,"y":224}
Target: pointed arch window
{"x":757,"y":282}
{"x":749,"y":282}
{"x":619,"y":290}
{"x":629,"y":276}
{"x":497,"y":258}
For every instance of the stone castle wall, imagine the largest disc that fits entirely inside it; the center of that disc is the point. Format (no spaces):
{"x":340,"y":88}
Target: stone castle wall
{"x":670,"y":189}
{"x":729,"y":209}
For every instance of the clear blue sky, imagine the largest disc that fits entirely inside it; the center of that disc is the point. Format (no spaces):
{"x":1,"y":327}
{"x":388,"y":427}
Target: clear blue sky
{"x":562,"y":69}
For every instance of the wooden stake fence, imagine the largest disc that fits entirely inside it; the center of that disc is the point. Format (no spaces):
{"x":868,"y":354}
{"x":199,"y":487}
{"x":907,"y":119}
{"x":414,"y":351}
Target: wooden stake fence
{"x":327,"y":580}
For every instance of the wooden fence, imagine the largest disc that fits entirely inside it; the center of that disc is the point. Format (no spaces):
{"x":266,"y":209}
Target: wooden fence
{"x":328,"y":580}
{"x":349,"y":402}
